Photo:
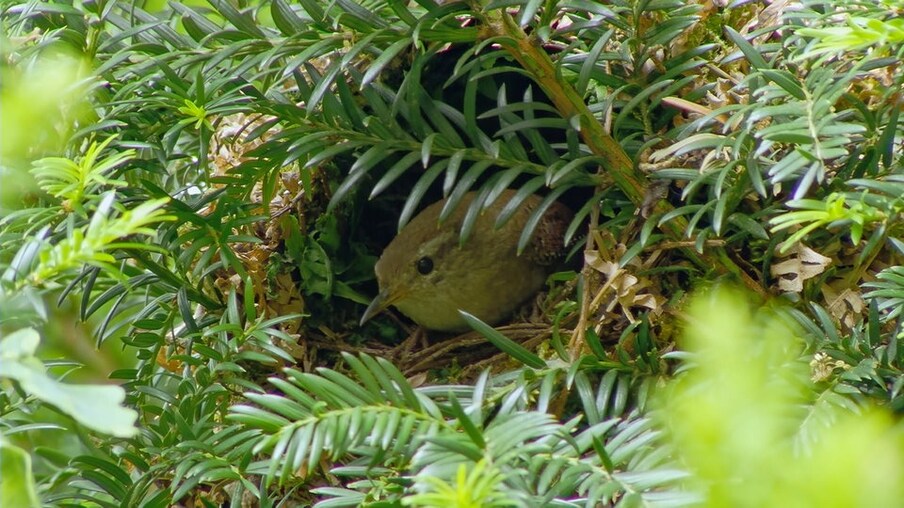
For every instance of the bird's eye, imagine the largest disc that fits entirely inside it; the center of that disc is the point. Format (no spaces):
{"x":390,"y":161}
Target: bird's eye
{"x":424,"y":265}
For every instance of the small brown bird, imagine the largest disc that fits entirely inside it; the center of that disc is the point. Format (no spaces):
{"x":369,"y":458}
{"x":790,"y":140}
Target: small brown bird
{"x":429,"y":276}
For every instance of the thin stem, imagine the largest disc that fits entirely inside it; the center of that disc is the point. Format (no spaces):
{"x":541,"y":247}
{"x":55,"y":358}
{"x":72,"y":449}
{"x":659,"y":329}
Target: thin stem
{"x":631,"y":181}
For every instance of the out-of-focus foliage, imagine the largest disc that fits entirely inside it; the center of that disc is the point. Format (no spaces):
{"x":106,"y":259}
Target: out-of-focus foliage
{"x":755,"y":431}
{"x":38,"y":103}
{"x":96,"y":407}
{"x":17,"y":482}
{"x":204,"y":187}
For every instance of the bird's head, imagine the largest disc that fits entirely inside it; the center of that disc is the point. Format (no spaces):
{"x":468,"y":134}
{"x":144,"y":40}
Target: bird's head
{"x":415,"y":269}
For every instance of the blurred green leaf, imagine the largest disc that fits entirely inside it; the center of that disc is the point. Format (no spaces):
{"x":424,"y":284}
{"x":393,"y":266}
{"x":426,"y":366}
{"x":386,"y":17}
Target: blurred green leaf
{"x":17,"y":484}
{"x":733,"y":420}
{"x":97,"y":407}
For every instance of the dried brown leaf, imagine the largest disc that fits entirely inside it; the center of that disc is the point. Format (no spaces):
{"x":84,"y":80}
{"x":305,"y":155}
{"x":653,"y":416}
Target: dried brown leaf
{"x":804,"y":263}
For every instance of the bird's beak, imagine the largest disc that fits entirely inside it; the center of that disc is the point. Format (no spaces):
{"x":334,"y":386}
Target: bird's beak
{"x":378,"y":305}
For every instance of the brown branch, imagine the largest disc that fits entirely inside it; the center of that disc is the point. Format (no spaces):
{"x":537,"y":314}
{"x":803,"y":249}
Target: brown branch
{"x":618,"y":166}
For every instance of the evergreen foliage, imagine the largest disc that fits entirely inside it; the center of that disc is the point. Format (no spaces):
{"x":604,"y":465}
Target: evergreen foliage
{"x":196,"y":192}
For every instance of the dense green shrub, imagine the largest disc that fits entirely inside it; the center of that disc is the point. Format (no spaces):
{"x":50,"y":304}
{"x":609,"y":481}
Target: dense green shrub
{"x":193,"y":196}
